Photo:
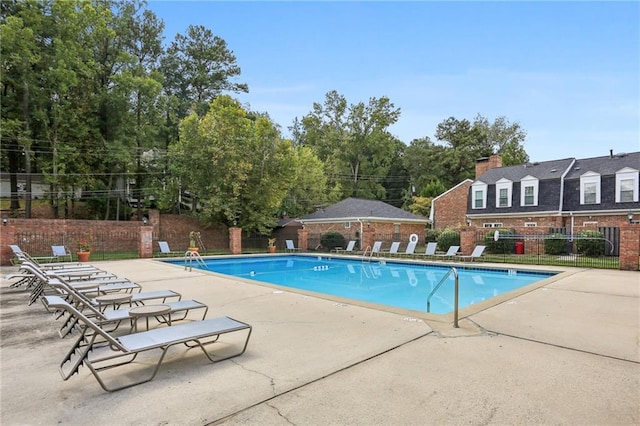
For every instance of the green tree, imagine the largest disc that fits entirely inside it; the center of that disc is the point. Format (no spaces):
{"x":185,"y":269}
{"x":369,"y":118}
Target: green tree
{"x":465,"y":144}
{"x":198,"y":67}
{"x":237,"y":162}
{"x":397,"y":182}
{"x":21,"y":24}
{"x":506,"y":139}
{"x":309,"y":188}
{"x":353,"y":141}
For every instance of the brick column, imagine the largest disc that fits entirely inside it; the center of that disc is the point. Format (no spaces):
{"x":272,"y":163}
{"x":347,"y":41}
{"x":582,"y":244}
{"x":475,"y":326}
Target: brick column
{"x":629,"y":247}
{"x":368,"y":236}
{"x":154,"y":219}
{"x":235,"y":240}
{"x":303,"y":239}
{"x":145,"y":249}
{"x":467,"y":239}
{"x":7,"y":236}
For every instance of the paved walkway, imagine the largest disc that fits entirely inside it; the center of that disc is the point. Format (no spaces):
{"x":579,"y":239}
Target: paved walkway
{"x":564,"y":353}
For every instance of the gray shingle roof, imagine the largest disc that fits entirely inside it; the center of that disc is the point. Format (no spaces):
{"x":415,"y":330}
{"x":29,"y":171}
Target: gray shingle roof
{"x":607,"y":165}
{"x":357,"y":208}
{"x":543,"y":170}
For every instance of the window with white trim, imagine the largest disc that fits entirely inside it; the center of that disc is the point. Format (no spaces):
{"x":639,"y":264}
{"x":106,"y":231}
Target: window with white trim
{"x":531,"y":224}
{"x":627,"y":185}
{"x":479,"y":193}
{"x":347,"y":224}
{"x":492,"y":225}
{"x":529,"y":191}
{"x":590,"y":188}
{"x":503,"y":193}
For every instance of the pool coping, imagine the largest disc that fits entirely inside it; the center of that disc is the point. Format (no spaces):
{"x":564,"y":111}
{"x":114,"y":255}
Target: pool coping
{"x":559,"y":273}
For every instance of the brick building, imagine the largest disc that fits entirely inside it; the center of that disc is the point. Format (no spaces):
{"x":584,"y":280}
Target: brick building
{"x":365,"y":221}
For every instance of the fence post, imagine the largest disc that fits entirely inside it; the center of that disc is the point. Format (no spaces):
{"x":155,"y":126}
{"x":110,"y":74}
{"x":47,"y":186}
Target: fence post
{"x":8,"y":237}
{"x":629,"y":247}
{"x":145,"y":249}
{"x":467,"y":239}
{"x":235,"y":240}
{"x":303,"y":239}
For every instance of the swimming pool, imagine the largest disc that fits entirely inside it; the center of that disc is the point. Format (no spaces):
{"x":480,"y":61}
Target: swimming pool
{"x":383,"y":282}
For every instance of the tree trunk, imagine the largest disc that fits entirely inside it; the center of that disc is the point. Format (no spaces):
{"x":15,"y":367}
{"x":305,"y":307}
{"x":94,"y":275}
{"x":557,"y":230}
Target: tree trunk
{"x":14,"y":166}
{"x":27,"y":150}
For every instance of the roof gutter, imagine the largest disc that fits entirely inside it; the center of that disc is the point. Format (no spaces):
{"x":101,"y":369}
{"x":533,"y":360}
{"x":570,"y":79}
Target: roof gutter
{"x":561,"y":204}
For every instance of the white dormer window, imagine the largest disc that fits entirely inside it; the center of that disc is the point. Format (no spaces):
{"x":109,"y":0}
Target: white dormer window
{"x":590,"y":188}
{"x":503,"y":193}
{"x":529,"y":191}
{"x":479,"y":193}
{"x":627,"y":185}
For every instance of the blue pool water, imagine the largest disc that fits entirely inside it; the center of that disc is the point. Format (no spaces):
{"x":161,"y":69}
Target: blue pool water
{"x":401,"y":285}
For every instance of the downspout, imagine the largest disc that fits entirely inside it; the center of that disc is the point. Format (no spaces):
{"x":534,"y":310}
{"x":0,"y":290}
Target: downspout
{"x":561,"y":204}
{"x":571,"y":214}
{"x":431,"y":213}
{"x":361,"y":230}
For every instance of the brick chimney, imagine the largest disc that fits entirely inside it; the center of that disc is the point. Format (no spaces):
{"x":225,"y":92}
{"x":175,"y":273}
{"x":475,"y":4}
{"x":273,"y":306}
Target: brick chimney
{"x":485,"y":163}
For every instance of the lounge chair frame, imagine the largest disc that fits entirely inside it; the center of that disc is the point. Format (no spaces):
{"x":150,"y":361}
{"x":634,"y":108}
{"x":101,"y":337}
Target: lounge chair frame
{"x":123,"y":350}
{"x":291,"y":246}
{"x":166,"y":251}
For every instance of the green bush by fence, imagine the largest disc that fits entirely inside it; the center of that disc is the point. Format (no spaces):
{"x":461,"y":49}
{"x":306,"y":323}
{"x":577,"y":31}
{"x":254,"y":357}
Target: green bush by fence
{"x":331,"y":240}
{"x":555,"y":244}
{"x":447,"y":239}
{"x":505,"y":243}
{"x":590,"y":243}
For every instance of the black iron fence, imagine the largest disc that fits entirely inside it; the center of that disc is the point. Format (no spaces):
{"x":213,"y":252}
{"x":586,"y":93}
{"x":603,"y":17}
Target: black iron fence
{"x":103,"y":244}
{"x":558,"y":247}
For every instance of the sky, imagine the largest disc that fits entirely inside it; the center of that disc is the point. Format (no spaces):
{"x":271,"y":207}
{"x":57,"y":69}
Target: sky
{"x":567,"y":72}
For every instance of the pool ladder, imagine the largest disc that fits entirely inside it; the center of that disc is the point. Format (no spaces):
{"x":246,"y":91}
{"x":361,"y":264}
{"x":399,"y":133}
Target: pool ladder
{"x":453,"y":271}
{"x":368,"y":250}
{"x":189,"y":256}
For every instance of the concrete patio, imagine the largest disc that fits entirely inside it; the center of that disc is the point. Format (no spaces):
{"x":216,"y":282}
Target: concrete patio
{"x":564,"y":353}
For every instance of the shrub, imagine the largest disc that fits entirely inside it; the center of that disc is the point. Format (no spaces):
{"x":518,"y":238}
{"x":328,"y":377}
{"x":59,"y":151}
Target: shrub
{"x":331,"y":240}
{"x":503,"y":245}
{"x":431,"y":235}
{"x":448,"y":238}
{"x":555,"y":244}
{"x":590,"y":243}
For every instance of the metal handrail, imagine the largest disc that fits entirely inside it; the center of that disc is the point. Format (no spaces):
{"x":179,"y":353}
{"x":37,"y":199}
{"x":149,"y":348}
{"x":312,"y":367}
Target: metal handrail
{"x":453,"y":271}
{"x":364,"y":254}
{"x":188,"y":258}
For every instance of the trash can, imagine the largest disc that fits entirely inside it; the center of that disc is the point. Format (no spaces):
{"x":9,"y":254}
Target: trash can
{"x":519,"y":247}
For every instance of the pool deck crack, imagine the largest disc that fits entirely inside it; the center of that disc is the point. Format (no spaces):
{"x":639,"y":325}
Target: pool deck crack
{"x":497,"y":333}
{"x":318,"y":379}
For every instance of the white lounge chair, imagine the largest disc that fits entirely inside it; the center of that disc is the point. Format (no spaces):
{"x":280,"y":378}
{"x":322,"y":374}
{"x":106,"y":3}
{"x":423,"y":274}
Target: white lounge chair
{"x":377,"y":246}
{"x":453,"y":250}
{"x":290,"y":246}
{"x":431,"y":249}
{"x":61,"y":254}
{"x":410,"y":250}
{"x":166,"y":251}
{"x":394,"y":248}
{"x":349,"y":249}
{"x":477,"y":252}
{"x":122,"y":350}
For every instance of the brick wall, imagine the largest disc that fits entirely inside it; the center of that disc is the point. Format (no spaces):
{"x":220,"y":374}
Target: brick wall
{"x":629,"y":247}
{"x":486,"y":163}
{"x":450,"y":209}
{"x":175,"y":229}
{"x":385,"y":231}
{"x":36,"y":236}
